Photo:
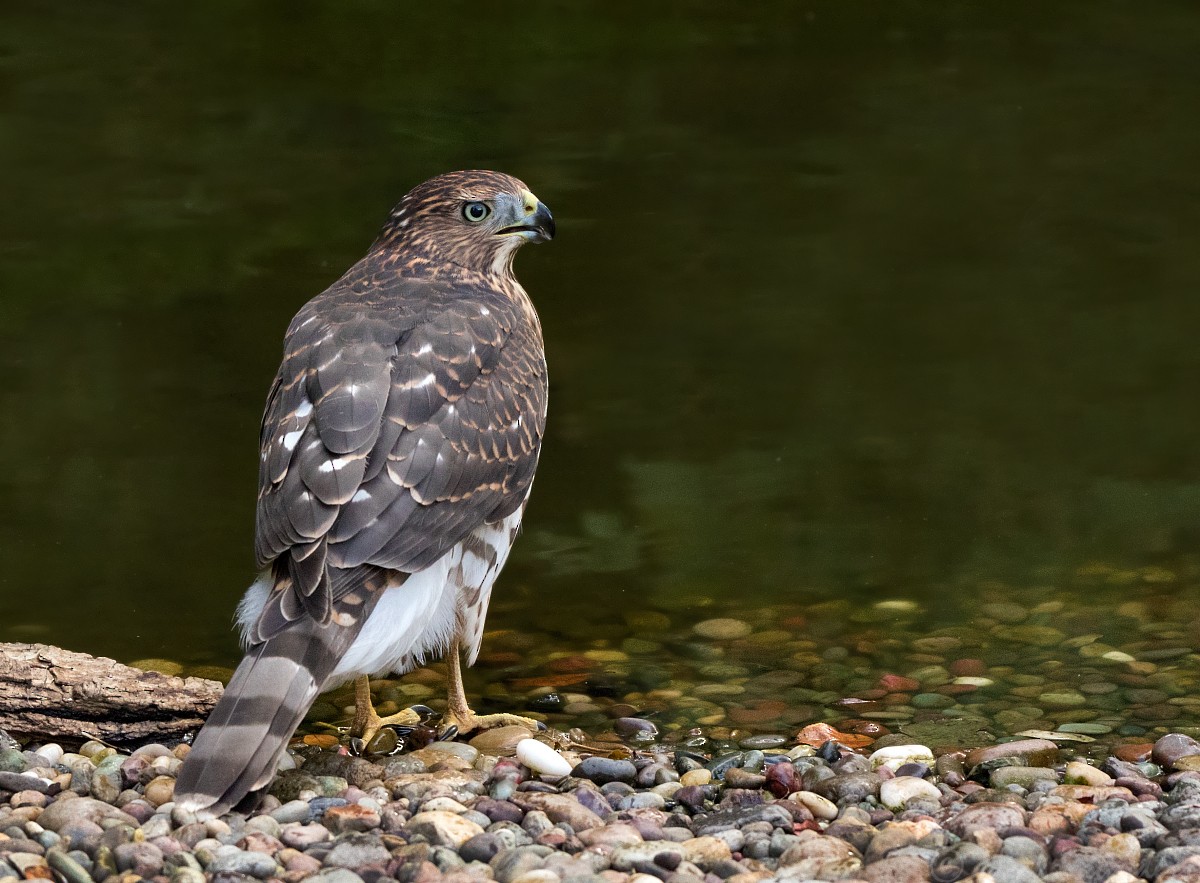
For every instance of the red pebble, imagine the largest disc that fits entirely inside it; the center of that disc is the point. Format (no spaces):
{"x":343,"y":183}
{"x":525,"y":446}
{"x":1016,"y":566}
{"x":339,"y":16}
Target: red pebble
{"x":781,"y":779}
{"x":899,"y":684}
{"x":968,"y":668}
{"x":1138,"y":752}
{"x":570,"y":664}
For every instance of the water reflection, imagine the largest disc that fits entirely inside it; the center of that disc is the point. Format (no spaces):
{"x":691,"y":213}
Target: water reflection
{"x":865,"y":304}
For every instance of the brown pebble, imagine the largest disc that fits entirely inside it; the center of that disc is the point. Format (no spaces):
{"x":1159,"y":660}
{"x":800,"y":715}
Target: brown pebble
{"x":570,"y":664}
{"x":1036,"y":752}
{"x":740,"y":778}
{"x":1136,"y":752}
{"x":500,"y":741}
{"x":968,"y":668}
{"x":160,"y":790}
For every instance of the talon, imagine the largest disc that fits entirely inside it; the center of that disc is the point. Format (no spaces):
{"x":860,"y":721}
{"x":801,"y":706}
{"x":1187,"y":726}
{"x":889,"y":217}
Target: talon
{"x":367,"y":723}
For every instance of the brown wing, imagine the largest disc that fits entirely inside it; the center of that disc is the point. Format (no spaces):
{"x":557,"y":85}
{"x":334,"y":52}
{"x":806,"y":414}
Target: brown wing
{"x":402,"y":418}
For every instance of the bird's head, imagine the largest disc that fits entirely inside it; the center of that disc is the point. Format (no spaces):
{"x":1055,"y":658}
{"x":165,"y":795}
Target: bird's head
{"x":475,"y":219}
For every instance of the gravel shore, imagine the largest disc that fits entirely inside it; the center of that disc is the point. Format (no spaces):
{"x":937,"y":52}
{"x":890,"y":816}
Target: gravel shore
{"x":1018,"y":811}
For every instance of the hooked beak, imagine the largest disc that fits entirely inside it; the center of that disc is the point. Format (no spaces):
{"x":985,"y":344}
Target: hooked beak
{"x":538,"y":223}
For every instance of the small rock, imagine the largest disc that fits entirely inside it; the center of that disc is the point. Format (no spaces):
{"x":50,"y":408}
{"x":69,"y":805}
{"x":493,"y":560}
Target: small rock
{"x":723,"y":629}
{"x":1006,"y":869}
{"x":705,"y":852}
{"x":480,"y":848}
{"x":602,"y":770}
{"x":334,"y":875}
{"x":1172,"y":747}
{"x":443,"y":828}
{"x":356,"y":850}
{"x":1024,"y":776}
{"x":896,"y":793}
{"x":143,"y":859}
{"x":63,"y":812}
{"x":895,"y":756}
{"x":541,"y":758}
{"x":1034,"y":752}
{"x":500,"y":741}
{"x":898,"y":869}
{"x":1079,"y":773}
{"x":351,"y":817}
{"x":986,"y":816}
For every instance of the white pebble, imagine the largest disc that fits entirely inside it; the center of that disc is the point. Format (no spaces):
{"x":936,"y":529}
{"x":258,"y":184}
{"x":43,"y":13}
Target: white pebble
{"x":1118,"y":656}
{"x":820,"y":807}
{"x":541,"y":758}
{"x":52,"y":752}
{"x":895,"y":756}
{"x":895,"y":793}
{"x":973,"y":681}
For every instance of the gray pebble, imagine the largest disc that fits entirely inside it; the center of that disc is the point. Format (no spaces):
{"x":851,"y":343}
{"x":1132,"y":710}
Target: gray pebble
{"x":1027,"y":851}
{"x":69,"y":867}
{"x":480,"y":848}
{"x":509,"y":864}
{"x":602,"y":770}
{"x":355,"y":850}
{"x":292,"y":811}
{"x":144,"y":859}
{"x":252,"y":864}
{"x":334,"y":875}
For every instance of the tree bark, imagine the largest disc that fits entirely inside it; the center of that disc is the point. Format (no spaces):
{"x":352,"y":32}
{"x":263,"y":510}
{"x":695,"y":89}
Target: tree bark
{"x":50,"y":693}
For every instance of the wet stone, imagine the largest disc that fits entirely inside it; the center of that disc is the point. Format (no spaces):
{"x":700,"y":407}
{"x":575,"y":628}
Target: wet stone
{"x":722,"y":629}
{"x":602,"y":770}
{"x":1170,"y":748}
{"x":1024,"y":776}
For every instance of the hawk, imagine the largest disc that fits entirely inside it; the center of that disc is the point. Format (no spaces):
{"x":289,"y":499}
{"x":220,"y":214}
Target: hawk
{"x":398,"y":448}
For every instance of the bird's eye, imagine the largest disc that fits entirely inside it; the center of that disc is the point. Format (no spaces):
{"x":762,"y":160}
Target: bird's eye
{"x":476,"y":211}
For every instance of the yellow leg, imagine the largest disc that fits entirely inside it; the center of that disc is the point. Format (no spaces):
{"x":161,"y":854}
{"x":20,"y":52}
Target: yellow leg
{"x":366,"y":722}
{"x":458,"y":712}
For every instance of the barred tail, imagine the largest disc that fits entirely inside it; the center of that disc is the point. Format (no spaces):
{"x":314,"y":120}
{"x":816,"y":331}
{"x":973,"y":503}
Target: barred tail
{"x":238,"y":748}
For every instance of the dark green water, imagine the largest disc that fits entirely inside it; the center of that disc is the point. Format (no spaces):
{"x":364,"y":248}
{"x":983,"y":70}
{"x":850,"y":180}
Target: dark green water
{"x":889,"y":301}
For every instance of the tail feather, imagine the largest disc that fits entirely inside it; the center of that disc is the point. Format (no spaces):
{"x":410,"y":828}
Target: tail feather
{"x":238,"y":748}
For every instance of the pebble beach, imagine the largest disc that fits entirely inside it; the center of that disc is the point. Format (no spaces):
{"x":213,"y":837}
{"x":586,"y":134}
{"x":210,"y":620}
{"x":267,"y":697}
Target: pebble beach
{"x":524,"y":811}
{"x":1024,"y":739}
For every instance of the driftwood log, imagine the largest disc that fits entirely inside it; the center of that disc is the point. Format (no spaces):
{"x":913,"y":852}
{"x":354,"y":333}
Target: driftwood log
{"x":50,"y":693}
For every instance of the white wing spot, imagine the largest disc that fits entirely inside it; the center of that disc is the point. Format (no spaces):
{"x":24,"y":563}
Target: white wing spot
{"x":484,"y":311}
{"x":289,"y":440}
{"x":304,"y":408}
{"x":425,"y":349}
{"x":360,"y":495}
{"x":427,"y":380}
{"x":331,"y":465}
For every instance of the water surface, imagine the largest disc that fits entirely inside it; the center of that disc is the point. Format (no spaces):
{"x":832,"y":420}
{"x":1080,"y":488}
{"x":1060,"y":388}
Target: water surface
{"x":891,"y":302}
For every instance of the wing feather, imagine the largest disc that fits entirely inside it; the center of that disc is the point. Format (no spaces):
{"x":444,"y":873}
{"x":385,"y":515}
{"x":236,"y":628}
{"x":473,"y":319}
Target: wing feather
{"x":405,"y":414}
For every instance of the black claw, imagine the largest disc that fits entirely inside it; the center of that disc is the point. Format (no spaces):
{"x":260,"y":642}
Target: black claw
{"x":447,"y":734}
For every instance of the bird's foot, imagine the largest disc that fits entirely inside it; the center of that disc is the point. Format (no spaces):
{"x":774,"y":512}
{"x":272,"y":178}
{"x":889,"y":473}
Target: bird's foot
{"x":457,"y":723}
{"x":367,"y":722}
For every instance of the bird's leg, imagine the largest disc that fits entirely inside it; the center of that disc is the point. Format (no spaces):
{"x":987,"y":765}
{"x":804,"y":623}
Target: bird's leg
{"x":366,"y":722}
{"x":458,"y":712}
